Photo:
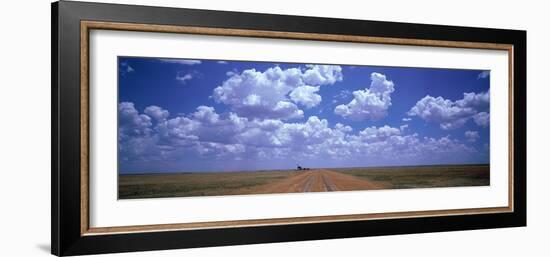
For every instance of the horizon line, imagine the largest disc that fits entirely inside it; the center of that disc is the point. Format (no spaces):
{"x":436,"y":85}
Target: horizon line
{"x":294,"y":169}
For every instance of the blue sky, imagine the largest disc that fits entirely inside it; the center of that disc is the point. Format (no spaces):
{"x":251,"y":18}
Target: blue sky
{"x":180,"y":115}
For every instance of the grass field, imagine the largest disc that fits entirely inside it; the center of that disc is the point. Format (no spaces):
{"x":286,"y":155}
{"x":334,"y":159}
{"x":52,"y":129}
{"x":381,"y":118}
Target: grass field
{"x":287,"y":181}
{"x":195,"y":184}
{"x":425,"y":176}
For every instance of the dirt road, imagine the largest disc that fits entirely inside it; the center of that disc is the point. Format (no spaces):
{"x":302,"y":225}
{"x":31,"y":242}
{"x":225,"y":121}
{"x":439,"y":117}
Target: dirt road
{"x":320,"y":180}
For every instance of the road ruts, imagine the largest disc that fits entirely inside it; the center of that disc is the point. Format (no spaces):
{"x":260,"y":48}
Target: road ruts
{"x":318,"y":180}
{"x":329,"y":185}
{"x":309,"y":183}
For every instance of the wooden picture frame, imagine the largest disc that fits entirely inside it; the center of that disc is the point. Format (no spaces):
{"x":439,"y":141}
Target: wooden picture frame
{"x":71,"y":26}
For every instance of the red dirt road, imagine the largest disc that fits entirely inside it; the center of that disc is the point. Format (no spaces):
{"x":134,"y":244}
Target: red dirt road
{"x":318,"y":181}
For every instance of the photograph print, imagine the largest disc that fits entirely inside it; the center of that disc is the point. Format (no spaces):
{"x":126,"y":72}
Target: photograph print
{"x":196,"y":127}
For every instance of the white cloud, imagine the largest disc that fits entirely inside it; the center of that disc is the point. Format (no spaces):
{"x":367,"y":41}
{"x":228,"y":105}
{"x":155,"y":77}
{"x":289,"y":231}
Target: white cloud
{"x":406,"y":119}
{"x":221,"y":62}
{"x":298,"y":135}
{"x":379,"y":145}
{"x":483,"y":74}
{"x":274,"y":93}
{"x":206,"y":114}
{"x":471,"y":136}
{"x":443,"y":111}
{"x":306,"y":95}
{"x":219,"y":150}
{"x":343,"y":128}
{"x":156,"y":113}
{"x":131,"y":122}
{"x":135,"y":134}
{"x":371,"y":103}
{"x":227,"y":136}
{"x":181,"y":61}
{"x":186,"y":77}
{"x":204,"y":125}
{"x":482,"y":119}
{"x":322,"y":74}
{"x":178,"y":132}
{"x":450,"y":114}
{"x":376,"y":134}
{"x":473,"y":100}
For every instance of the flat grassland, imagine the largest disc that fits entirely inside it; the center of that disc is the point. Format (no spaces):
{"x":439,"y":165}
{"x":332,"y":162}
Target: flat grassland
{"x":425,"y":176}
{"x":292,"y":181}
{"x":195,"y":184}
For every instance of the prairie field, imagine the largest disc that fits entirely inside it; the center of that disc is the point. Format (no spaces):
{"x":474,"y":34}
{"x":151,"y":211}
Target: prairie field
{"x":136,"y":186}
{"x":195,"y":184}
{"x":425,"y":176}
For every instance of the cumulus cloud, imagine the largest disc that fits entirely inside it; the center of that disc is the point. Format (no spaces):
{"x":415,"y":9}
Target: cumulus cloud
{"x":471,"y":136}
{"x":475,"y":101}
{"x":131,"y":122}
{"x":406,"y":119}
{"x":228,"y":136}
{"x":135,"y":133}
{"x":376,"y":134}
{"x":452,"y":114}
{"x":371,"y":103}
{"x":181,"y":61}
{"x":206,"y":114}
{"x":306,"y":96}
{"x":275,"y":93}
{"x":177,"y":132}
{"x":156,"y":113}
{"x":482,"y":119}
{"x":322,"y":74}
{"x":443,"y":111}
{"x":298,"y":135}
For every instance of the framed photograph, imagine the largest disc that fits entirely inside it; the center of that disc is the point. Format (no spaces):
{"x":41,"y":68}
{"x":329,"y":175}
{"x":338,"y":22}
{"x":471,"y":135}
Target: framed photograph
{"x":178,"y":128}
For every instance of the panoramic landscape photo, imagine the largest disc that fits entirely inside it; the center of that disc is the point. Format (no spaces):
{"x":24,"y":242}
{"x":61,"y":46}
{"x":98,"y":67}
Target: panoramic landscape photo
{"x":194,"y":127}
